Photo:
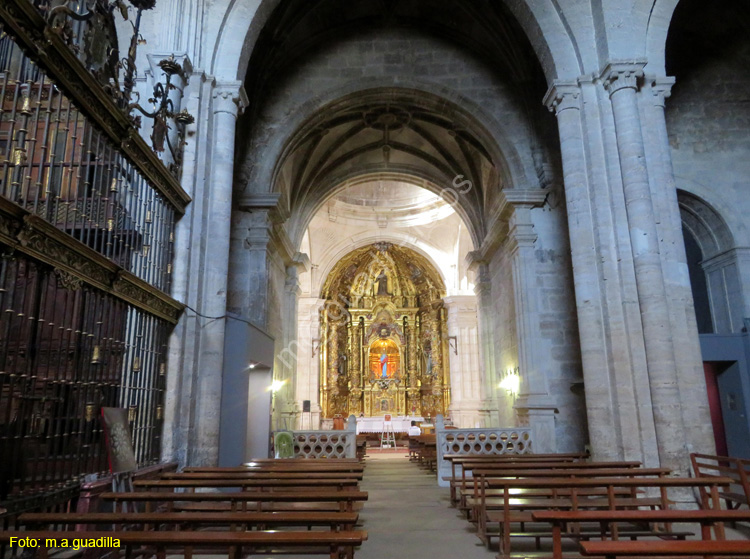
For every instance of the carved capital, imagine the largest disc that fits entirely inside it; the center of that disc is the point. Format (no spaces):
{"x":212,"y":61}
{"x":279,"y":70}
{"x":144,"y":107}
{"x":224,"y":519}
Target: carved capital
{"x":661,"y":89}
{"x":620,"y":75}
{"x":562,"y":96}
{"x":229,"y":97}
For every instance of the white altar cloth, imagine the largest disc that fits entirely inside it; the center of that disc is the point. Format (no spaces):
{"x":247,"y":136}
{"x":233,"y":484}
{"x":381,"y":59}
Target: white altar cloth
{"x":400,"y":423}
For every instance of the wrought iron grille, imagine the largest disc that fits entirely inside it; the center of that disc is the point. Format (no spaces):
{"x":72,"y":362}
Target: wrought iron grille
{"x":55,"y":163}
{"x":66,"y":350}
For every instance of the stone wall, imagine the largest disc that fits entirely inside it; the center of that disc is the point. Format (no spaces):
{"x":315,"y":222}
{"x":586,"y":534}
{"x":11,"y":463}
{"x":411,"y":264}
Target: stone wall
{"x":708,"y":121}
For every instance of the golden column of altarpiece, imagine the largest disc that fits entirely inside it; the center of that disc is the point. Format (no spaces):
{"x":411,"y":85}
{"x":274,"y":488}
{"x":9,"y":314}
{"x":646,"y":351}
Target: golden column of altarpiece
{"x":384,"y":335}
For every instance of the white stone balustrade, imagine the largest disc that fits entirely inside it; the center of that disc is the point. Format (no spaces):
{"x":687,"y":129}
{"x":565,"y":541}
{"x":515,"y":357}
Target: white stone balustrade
{"x":327,"y":444}
{"x":489,"y":441}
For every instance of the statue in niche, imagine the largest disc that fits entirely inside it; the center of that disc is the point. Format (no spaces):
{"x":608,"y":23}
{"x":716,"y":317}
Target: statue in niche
{"x":427,"y":356}
{"x":384,"y":364}
{"x":383,"y":284}
{"x":341,"y":367}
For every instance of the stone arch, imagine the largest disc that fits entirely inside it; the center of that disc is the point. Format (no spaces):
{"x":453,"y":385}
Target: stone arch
{"x":719,"y":261}
{"x":513,"y":169}
{"x":298,"y":223}
{"x":705,"y":224}
{"x":656,"y":35}
{"x":543,"y":23}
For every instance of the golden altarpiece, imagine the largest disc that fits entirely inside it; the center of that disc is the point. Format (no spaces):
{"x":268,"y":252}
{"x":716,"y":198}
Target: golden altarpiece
{"x":384,"y":336}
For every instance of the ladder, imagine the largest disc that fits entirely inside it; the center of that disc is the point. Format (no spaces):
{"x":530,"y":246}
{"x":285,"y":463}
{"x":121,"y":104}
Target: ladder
{"x":387,"y":436}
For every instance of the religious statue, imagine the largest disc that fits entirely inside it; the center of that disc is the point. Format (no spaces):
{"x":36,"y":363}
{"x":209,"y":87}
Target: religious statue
{"x":384,"y":364}
{"x":383,"y":284}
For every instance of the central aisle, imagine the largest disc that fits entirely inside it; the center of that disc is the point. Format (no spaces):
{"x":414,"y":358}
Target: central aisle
{"x":407,"y":516}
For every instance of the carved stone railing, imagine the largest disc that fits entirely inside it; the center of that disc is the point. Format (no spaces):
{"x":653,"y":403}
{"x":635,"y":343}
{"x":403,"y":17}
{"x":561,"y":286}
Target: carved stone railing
{"x":327,"y":444}
{"x":491,"y":441}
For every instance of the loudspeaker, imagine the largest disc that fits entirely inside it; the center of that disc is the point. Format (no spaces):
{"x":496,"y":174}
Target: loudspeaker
{"x":305,"y":406}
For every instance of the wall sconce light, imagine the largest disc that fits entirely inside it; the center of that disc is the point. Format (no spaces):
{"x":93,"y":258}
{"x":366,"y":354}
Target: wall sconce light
{"x":453,"y":344}
{"x":315,"y":347}
{"x":276,"y":385}
{"x":511,"y":382}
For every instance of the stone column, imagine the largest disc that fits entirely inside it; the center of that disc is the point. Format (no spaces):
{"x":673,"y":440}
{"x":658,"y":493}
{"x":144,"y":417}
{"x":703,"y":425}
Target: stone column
{"x":483,"y":290}
{"x":465,"y":370}
{"x":286,"y":371}
{"x":308,"y":360}
{"x":534,"y":405}
{"x":688,"y":359}
{"x":622,"y":81}
{"x":226,"y":101}
{"x":565,"y":100}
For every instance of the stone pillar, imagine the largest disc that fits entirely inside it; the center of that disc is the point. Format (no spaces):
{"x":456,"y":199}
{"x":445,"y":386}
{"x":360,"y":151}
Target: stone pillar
{"x":483,"y":290}
{"x":688,"y":359}
{"x":565,"y":100}
{"x":308,"y":360}
{"x":466,"y":378}
{"x":203,"y":431}
{"x":534,"y":405}
{"x":622,"y":81}
{"x":286,"y":370}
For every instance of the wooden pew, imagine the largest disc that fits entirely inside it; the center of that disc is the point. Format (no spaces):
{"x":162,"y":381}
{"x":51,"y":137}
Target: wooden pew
{"x":269,"y":484}
{"x":608,"y":522}
{"x":427,"y":451}
{"x":238,"y":500}
{"x":691,"y":548}
{"x":502,"y":466}
{"x":469,"y":494}
{"x":264,"y":475}
{"x":337,"y":545}
{"x":287,"y":466}
{"x":707,"y":465}
{"x":516,"y":508}
{"x":337,"y":521}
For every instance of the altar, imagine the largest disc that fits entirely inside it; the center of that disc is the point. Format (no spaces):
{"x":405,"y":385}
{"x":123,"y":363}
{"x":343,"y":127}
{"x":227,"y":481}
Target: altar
{"x":400,"y":424}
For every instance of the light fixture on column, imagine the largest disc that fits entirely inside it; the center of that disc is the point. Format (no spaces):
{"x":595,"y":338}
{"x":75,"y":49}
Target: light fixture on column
{"x":511,"y":382}
{"x":276,"y":385}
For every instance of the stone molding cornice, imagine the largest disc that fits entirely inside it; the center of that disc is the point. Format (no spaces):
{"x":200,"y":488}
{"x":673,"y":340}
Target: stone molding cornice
{"x":48,"y":49}
{"x":622,"y":74}
{"x":562,"y":96}
{"x":513,"y":201}
{"x":31,"y":235}
{"x":264,"y":201}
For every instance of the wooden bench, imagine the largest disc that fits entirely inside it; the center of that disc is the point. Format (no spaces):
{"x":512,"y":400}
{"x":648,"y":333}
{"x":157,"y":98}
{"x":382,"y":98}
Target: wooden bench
{"x":337,"y":521}
{"x":427,"y":451}
{"x":269,"y":484}
{"x":264,"y":475}
{"x":691,"y":548}
{"x":608,"y":522}
{"x":337,"y":545}
{"x":263,"y":500}
{"x":470,"y":491}
{"x":707,"y":465}
{"x":501,"y":467}
{"x":285,"y":466}
{"x":515,"y":506}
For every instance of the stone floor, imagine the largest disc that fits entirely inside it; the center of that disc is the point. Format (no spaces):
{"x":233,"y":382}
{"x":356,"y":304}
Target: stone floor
{"x":408,"y":516}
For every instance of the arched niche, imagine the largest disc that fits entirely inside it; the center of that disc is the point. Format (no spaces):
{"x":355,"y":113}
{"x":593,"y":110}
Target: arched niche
{"x":711,"y":251}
